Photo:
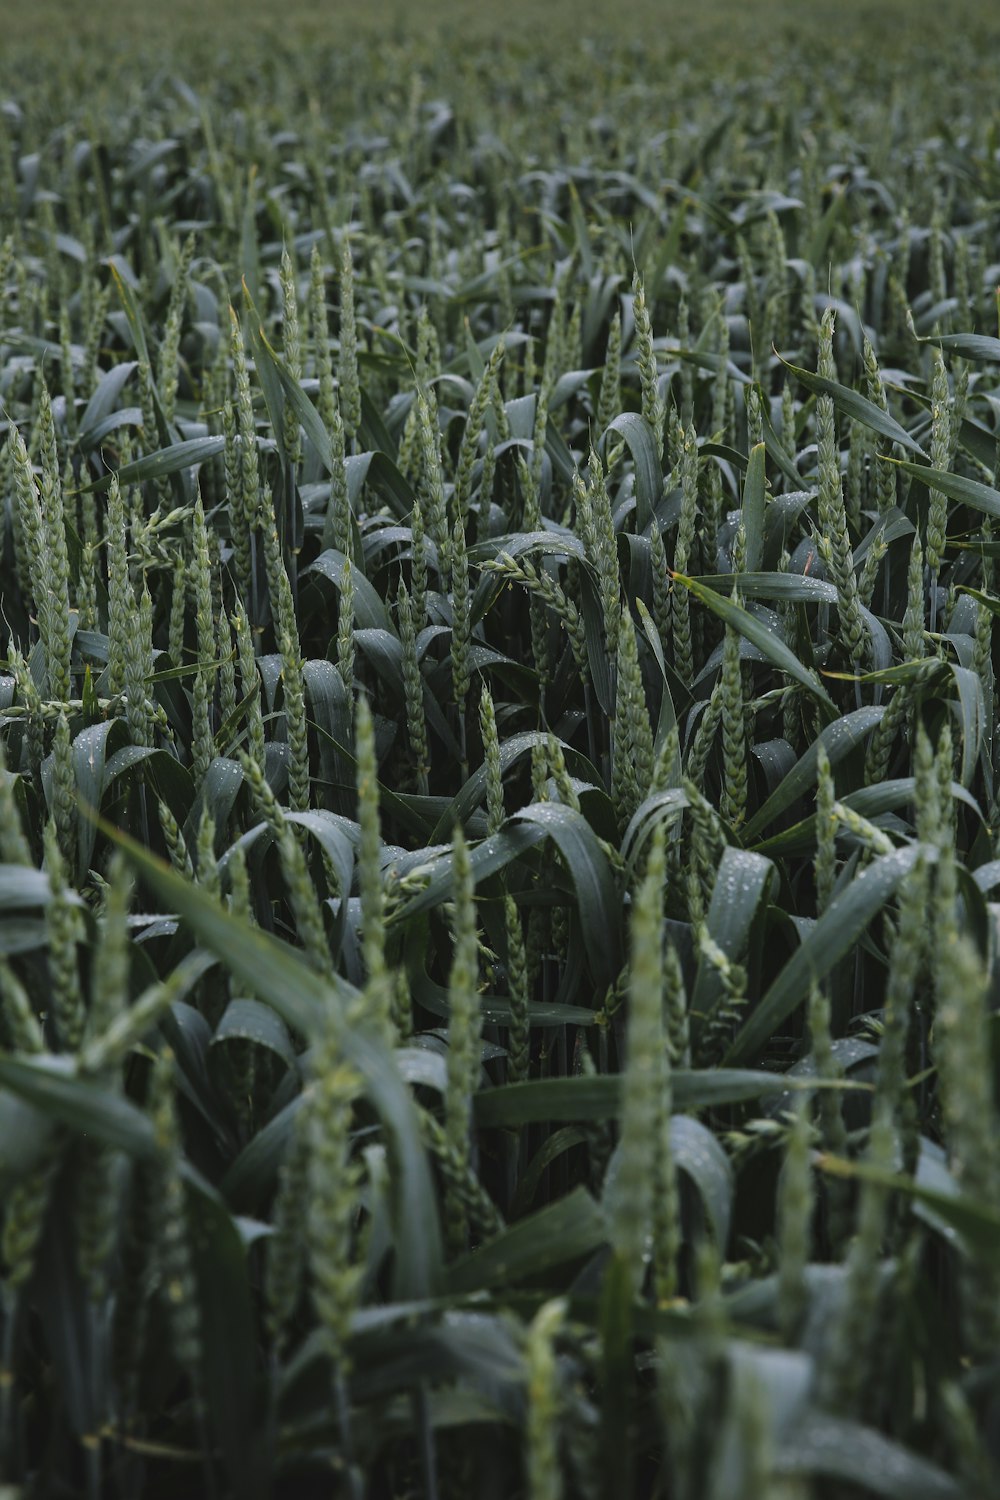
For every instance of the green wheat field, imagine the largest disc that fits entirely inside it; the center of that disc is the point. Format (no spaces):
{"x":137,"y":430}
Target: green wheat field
{"x":499,"y":751}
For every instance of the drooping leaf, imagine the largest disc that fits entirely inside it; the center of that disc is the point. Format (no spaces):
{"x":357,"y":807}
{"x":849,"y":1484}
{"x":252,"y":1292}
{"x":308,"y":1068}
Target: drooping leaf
{"x":278,"y":975}
{"x":758,"y":634}
{"x":648,"y":479}
{"x":857,"y":407}
{"x":971,"y":492}
{"x":52,"y":1086}
{"x":836,"y":1449}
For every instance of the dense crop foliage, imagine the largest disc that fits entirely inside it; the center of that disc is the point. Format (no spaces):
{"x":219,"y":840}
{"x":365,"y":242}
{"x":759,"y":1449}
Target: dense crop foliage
{"x":498,"y":807}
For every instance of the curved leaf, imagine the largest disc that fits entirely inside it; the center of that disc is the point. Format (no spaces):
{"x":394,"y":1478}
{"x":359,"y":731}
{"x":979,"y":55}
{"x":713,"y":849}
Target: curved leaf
{"x":278,"y":975}
{"x":566,"y":1230}
{"x":834,"y":1448}
{"x":648,"y":474}
{"x":697,"y":1153}
{"x":249,"y":1021}
{"x":857,"y":407}
{"x":598,"y":902}
{"x":53,"y":1087}
{"x":841,"y":925}
{"x":164,"y":461}
{"x":758,"y":634}
{"x":742,"y":886}
{"x":971,"y":492}
{"x":753,"y":508}
{"x":838,"y":739}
